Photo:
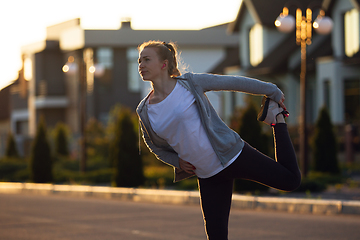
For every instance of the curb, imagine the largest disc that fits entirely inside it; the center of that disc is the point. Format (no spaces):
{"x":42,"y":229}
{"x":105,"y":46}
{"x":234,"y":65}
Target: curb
{"x":290,"y":205}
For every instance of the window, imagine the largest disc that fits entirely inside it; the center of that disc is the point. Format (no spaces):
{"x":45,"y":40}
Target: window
{"x":256,"y":44}
{"x":352,"y":100}
{"x":28,"y":69}
{"x":22,"y":128}
{"x":104,"y":57}
{"x":134,"y":80}
{"x":327,"y":94}
{"x":351,"y":27}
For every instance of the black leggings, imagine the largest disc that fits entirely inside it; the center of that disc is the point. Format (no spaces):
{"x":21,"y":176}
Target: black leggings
{"x":216,"y":191}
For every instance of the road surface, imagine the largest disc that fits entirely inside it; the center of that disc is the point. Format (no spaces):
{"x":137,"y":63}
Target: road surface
{"x":34,"y":217}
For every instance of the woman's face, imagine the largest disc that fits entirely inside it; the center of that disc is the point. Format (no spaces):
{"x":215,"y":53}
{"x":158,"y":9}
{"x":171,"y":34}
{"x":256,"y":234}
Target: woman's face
{"x":149,"y":64}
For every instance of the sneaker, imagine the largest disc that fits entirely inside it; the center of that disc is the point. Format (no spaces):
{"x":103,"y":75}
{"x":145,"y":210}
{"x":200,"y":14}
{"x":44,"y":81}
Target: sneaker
{"x":269,"y":111}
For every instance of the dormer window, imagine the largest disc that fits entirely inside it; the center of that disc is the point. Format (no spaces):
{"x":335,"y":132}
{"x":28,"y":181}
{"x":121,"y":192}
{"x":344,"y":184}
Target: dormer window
{"x":351,"y":26}
{"x":256,"y":44}
{"x":28,"y":73}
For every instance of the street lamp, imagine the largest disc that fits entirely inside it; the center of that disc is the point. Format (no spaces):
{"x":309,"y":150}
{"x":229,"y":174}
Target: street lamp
{"x":87,"y":70}
{"x":304,"y":25}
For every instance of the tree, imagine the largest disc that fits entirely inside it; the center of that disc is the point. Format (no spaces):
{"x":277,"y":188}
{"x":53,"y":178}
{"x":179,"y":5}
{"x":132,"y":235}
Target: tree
{"x":40,"y":160}
{"x":324,"y":145}
{"x":11,"y":150}
{"x":251,"y":131}
{"x":96,"y":140}
{"x":124,"y":153}
{"x":61,"y":139}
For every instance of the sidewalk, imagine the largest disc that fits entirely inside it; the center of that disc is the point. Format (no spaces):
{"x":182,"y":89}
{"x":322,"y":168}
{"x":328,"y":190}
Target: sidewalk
{"x":285,"y":204}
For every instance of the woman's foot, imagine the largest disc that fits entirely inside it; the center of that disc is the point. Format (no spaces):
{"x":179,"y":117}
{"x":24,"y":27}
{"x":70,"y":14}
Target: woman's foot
{"x":271,"y":113}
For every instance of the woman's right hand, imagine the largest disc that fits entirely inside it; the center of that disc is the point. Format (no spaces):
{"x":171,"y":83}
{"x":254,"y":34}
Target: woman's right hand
{"x":282,"y":105}
{"x":186,"y":166}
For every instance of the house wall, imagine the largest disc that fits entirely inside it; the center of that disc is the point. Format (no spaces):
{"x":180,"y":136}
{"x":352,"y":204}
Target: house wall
{"x":333,"y":70}
{"x":72,"y":89}
{"x":4,"y":117}
{"x":202,"y":60}
{"x":340,"y":7}
{"x":271,"y":38}
{"x":329,"y":69}
{"x":288,"y":83}
{"x":4,"y":130}
{"x":246,"y":23}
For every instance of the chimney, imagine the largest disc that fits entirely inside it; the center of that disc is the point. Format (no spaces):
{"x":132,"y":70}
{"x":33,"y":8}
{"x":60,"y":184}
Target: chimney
{"x":125,"y":23}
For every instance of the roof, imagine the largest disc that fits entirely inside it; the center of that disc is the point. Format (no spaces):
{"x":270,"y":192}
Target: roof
{"x":77,"y":38}
{"x":70,"y":36}
{"x":277,"y":60}
{"x":5,"y":103}
{"x":231,"y":59}
{"x":265,"y":12}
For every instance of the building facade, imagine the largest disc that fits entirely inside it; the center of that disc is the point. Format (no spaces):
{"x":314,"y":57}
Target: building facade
{"x":76,"y":74}
{"x":332,"y":61}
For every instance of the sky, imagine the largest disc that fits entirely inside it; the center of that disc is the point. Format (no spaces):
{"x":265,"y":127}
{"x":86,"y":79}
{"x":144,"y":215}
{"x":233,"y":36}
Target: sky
{"x":23,"y":22}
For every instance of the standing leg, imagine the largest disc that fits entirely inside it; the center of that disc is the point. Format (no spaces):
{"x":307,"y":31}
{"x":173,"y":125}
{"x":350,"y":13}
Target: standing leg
{"x":215,"y":197}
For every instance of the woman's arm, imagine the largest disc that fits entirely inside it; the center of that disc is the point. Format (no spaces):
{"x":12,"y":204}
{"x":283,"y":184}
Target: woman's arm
{"x":213,"y":82}
{"x":167,"y":156}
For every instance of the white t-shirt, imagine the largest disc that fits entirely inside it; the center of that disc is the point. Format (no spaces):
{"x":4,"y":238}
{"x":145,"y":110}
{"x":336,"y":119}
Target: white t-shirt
{"x":176,"y":119}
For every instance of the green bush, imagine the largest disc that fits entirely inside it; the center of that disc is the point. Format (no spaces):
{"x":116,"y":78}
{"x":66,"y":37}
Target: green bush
{"x":124,"y":153}
{"x":158,"y":176}
{"x":324,"y":145}
{"x":162,"y":177}
{"x":318,"y":181}
{"x":61,"y":132}
{"x":66,"y":170}
{"x":311,"y":185}
{"x":187,"y":184}
{"x":40,"y":160}
{"x":96,"y":162}
{"x":97,"y":142}
{"x":11,"y":150}
{"x":13,"y":170}
{"x":65,"y":176}
{"x":101,"y":176}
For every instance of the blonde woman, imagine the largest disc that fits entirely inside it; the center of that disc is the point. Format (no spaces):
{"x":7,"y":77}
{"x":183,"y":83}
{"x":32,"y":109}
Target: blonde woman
{"x":181,"y":127}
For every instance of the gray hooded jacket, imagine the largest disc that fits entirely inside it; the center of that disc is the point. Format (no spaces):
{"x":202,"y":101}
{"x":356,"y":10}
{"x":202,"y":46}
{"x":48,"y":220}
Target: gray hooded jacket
{"x":226,"y":142}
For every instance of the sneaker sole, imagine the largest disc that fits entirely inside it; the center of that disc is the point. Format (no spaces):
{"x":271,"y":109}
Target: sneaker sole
{"x":264,"y":109}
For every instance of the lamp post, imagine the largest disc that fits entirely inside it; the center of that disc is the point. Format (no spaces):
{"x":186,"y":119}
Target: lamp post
{"x":304,"y":25}
{"x":87,"y":69}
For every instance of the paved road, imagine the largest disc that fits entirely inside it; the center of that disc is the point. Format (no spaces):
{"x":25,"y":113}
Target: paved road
{"x":33,"y":217}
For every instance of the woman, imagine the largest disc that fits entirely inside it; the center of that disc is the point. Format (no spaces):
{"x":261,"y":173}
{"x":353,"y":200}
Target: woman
{"x":182,"y":129}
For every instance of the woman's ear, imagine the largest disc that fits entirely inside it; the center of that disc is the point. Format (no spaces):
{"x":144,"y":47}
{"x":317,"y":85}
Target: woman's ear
{"x":164,"y":64}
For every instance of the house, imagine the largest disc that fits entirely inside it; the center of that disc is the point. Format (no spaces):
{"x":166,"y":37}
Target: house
{"x":4,"y":117}
{"x":332,"y":61}
{"x":78,"y":72}
{"x":338,"y":75}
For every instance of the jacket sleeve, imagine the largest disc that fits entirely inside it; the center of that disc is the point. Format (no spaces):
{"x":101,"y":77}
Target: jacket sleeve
{"x":213,"y":82}
{"x":166,"y":155}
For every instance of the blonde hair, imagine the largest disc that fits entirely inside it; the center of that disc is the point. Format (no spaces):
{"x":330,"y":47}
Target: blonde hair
{"x":165,"y":51}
